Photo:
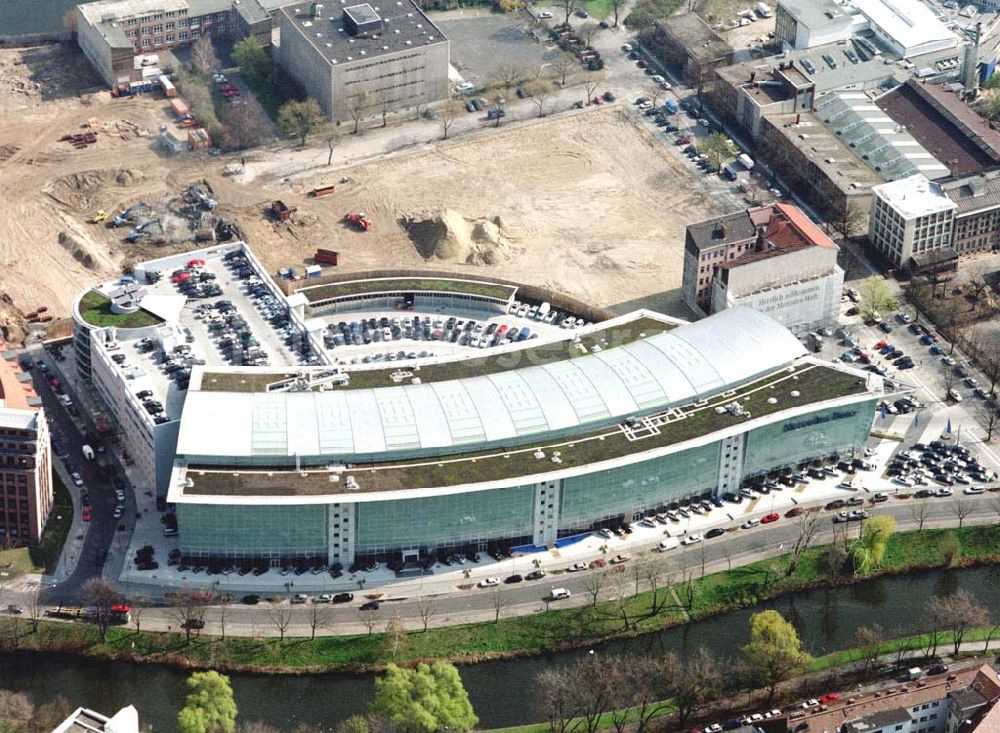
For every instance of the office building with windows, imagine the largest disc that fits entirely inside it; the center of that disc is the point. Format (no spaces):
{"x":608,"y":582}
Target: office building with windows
{"x":911,"y":219}
{"x":313,"y":467}
{"x":26,"y":494}
{"x":358,"y":60}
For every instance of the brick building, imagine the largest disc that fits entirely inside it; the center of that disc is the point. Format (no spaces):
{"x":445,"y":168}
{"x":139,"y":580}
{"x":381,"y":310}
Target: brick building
{"x":25,"y":458}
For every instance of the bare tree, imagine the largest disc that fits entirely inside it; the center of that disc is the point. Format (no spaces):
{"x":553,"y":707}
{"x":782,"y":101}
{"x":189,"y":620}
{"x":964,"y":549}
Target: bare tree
{"x":245,"y":123}
{"x":499,"y":601}
{"x":137,"y":613}
{"x":223,"y":601}
{"x":189,"y":611}
{"x":385,"y":100}
{"x":989,"y":418}
{"x":933,"y":620}
{"x":281,"y":616}
{"x":961,"y":509}
{"x":642,"y":686}
{"x":539,"y":90}
{"x":587,"y":31}
{"x":850,"y":221}
{"x":652,"y":90}
{"x":555,"y":697}
{"x":995,"y":504}
{"x":447,"y":115}
{"x":331,"y":136}
{"x":962,"y":613}
{"x":918,"y":513}
{"x":590,"y":85}
{"x":203,"y":57}
{"x":693,"y":682}
{"x":594,"y":584}
{"x":426,"y":608}
{"x":807,"y":525}
{"x":616,"y":6}
{"x":101,"y":595}
{"x":395,"y":641}
{"x":727,"y":552}
{"x":569,"y":6}
{"x":356,"y":109}
{"x":655,"y":573}
{"x":369,"y":618}
{"x":561,"y":67}
{"x":35,"y":608}
{"x":319,"y":617}
{"x":869,"y":640}
{"x":618,"y":581}
{"x":499,"y":103}
{"x":506,"y":76}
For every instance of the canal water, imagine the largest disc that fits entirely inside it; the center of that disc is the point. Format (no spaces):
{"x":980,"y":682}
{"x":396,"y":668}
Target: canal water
{"x":501,"y":692}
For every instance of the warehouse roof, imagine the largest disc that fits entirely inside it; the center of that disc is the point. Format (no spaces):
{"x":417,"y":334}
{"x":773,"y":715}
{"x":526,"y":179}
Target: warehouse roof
{"x":403,"y":26}
{"x":697,"y":359}
{"x":700,"y":40}
{"x":910,"y":23}
{"x":973,"y":193}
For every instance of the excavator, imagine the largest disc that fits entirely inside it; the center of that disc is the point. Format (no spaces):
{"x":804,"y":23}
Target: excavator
{"x":360,"y":220}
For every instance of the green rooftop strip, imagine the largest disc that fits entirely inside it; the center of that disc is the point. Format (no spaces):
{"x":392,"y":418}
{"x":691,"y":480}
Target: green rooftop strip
{"x":813,"y":384}
{"x":95,"y":309}
{"x":407,"y":285}
{"x":241,"y":381}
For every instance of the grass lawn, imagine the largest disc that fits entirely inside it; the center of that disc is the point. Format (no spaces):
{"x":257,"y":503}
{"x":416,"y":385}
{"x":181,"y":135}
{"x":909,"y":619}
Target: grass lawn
{"x":95,"y":309}
{"x":43,"y":558}
{"x":379,"y":285}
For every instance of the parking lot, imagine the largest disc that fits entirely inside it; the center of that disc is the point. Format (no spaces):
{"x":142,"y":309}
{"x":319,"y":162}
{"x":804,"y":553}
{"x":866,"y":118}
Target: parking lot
{"x":483,"y":41}
{"x":363,"y":338}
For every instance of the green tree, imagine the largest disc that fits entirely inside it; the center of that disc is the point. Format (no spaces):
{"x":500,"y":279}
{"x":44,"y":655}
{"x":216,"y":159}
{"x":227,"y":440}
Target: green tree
{"x":774,"y":652}
{"x":876,"y":296}
{"x":868,"y":551}
{"x":426,"y":699}
{"x":300,"y":118}
{"x":210,"y":707}
{"x":254,"y":62}
{"x":717,"y":148}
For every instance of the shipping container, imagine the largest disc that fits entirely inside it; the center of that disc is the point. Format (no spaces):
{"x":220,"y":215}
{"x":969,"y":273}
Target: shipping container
{"x":179,"y":108}
{"x":314,"y":271}
{"x":168,"y":87}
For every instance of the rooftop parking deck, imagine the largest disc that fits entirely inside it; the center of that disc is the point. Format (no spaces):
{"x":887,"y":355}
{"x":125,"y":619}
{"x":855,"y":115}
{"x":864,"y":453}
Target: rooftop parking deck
{"x":570,"y":344}
{"x":812,"y":383}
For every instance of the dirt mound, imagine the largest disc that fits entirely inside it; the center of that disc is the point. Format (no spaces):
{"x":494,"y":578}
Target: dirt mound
{"x":12,"y":320}
{"x":451,"y":237}
{"x":81,"y":253}
{"x":80,"y":190}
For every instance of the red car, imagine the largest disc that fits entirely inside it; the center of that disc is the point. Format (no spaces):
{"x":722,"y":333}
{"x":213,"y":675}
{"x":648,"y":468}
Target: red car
{"x":86,"y":514}
{"x":181,"y":277}
{"x":772,"y":517}
{"x":641,"y":63}
{"x":829,"y":697}
{"x":880,"y":344}
{"x":794,"y":511}
{"x":682,"y":140}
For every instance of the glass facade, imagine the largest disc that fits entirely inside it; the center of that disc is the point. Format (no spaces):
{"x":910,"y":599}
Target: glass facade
{"x":269,"y":532}
{"x":807,"y":437}
{"x":445,"y":520}
{"x":597,"y":496}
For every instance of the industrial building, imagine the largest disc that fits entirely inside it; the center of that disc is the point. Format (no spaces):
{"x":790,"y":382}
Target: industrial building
{"x":770,"y":258}
{"x":906,"y":28}
{"x":120,"y":37}
{"x":359,"y":60}
{"x":911,"y":217}
{"x":315,"y":470}
{"x":688,"y":45}
{"x":26,"y":492}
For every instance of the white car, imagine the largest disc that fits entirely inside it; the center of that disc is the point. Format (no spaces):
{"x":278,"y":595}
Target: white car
{"x":943,"y":492}
{"x":119,"y":510}
{"x":489,"y":582}
{"x":658,"y":78}
{"x":545,"y":15}
{"x":974,"y":490}
{"x":465,"y":86}
{"x":577,"y":566}
{"x":627,"y":48}
{"x":750,"y":524}
{"x":903,"y":481}
{"x":666,"y":85}
{"x":77,"y":479}
{"x":119,"y":495}
{"x":646,"y":105}
{"x":954,"y":395}
{"x":691,"y":539}
{"x":559,"y":594}
{"x":703,"y":122}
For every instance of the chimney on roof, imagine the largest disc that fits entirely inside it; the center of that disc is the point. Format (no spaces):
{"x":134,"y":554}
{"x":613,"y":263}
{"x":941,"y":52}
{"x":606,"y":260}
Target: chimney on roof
{"x":753,"y":75}
{"x":761,"y":244}
{"x":720,"y":231}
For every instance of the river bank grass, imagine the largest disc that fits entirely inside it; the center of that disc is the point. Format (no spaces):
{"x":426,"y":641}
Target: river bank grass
{"x":533,"y":634}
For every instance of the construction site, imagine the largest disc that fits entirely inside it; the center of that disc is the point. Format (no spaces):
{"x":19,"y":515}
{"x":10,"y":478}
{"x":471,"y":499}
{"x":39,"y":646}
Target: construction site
{"x":507,"y":202}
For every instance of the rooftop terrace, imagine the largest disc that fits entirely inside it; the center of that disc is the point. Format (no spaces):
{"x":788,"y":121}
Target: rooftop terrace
{"x":812,"y":383}
{"x":95,"y":309}
{"x":389,"y":285}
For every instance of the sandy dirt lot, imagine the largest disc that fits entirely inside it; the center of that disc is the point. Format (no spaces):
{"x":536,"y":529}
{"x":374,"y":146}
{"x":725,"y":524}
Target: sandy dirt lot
{"x":585,"y":203}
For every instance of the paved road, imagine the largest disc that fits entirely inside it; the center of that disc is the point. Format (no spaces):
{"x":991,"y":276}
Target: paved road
{"x":738,"y":547}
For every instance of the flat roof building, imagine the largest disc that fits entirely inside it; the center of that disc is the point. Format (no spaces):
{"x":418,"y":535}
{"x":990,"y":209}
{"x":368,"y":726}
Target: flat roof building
{"x":773,"y":259}
{"x":358,"y":61}
{"x":83,"y":720}
{"x":911,"y":217}
{"x":689,"y":45}
{"x":26,"y":493}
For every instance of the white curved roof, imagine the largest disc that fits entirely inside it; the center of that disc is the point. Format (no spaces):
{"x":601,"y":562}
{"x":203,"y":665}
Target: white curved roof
{"x":674,"y":367}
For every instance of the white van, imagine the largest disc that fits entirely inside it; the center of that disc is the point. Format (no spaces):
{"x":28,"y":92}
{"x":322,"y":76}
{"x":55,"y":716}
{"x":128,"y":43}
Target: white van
{"x":668,"y":544}
{"x":559,"y":594}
